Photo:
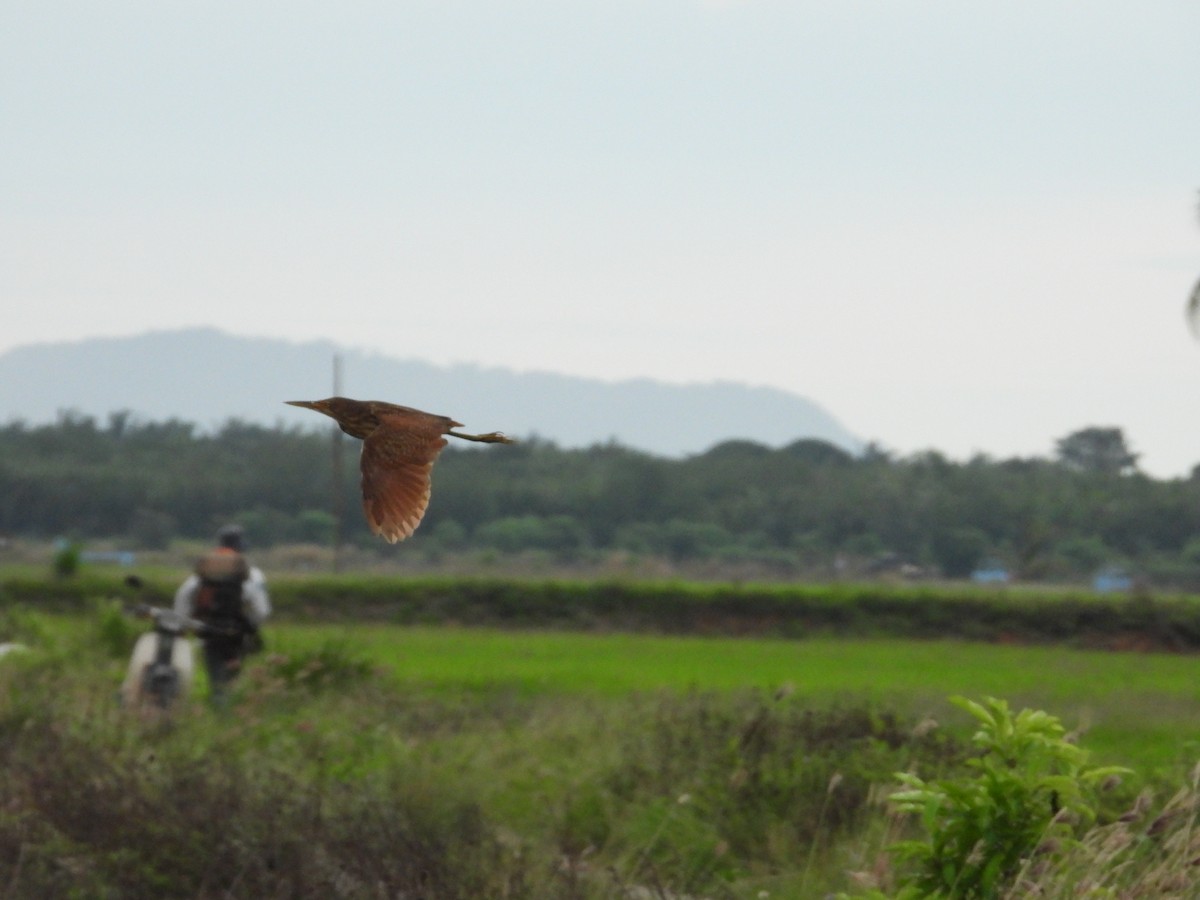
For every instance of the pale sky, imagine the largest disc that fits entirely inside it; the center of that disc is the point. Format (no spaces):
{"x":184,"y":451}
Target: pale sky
{"x":965,"y":226}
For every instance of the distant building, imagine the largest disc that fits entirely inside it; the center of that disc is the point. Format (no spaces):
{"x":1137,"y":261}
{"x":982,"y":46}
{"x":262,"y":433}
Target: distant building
{"x":991,"y":571}
{"x":120,"y":557}
{"x":1112,"y":578}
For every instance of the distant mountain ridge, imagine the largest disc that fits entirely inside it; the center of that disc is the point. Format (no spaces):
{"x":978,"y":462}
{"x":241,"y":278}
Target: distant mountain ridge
{"x":207,"y":376}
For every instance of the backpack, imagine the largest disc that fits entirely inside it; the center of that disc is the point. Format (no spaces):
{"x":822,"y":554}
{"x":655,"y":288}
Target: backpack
{"x":219,"y":596}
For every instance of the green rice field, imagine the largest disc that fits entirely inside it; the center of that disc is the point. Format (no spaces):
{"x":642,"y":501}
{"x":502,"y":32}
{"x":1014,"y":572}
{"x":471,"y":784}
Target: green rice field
{"x":1140,"y":709}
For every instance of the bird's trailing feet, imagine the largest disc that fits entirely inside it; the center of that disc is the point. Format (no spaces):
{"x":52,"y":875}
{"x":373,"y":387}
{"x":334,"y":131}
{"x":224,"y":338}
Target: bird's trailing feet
{"x":492,"y":437}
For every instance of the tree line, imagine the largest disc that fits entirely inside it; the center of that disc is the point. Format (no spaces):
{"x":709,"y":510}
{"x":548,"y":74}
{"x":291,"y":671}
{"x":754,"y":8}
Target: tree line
{"x":806,"y":507}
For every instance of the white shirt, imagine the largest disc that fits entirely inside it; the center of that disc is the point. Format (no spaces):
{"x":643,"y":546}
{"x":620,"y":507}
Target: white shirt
{"x":254,"y":595}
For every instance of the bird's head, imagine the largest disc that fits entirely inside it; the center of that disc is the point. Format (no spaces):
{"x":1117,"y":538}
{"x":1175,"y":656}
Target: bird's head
{"x":354,"y":417}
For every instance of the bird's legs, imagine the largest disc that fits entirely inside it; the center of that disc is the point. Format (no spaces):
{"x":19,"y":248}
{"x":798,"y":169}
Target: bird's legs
{"x":492,"y":437}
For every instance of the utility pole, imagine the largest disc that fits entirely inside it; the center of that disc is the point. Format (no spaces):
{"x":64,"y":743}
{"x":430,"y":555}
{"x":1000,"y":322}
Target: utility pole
{"x":338,"y":493}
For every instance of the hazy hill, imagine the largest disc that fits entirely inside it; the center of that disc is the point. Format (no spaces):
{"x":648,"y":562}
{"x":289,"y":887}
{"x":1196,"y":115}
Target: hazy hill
{"x":206,"y":376}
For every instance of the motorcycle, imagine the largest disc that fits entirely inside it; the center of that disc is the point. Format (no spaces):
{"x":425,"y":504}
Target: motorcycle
{"x":162,"y":668}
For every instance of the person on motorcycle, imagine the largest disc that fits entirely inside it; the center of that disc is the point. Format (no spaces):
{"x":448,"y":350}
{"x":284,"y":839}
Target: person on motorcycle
{"x":230,"y":596}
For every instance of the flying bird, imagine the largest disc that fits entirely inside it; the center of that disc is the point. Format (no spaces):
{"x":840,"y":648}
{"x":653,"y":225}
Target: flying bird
{"x":400,"y":445}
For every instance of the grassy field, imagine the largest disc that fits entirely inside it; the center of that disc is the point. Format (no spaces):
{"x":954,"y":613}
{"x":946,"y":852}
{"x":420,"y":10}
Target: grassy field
{"x":524,"y":763}
{"x":1140,"y":709}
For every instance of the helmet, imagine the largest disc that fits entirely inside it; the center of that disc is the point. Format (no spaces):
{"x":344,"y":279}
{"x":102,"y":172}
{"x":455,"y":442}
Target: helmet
{"x":231,"y":536}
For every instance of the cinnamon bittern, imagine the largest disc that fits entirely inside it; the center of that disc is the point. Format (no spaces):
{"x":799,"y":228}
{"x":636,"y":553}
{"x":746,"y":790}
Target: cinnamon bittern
{"x":400,"y":445}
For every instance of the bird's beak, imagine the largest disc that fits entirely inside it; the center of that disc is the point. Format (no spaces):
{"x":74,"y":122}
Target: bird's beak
{"x":321,"y":406}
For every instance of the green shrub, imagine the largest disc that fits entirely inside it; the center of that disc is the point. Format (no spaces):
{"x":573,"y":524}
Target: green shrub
{"x":67,"y":560}
{"x":116,"y":632}
{"x":1035,"y":615}
{"x":1030,"y":790}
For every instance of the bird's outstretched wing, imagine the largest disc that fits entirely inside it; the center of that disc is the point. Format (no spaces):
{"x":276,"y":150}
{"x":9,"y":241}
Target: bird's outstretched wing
{"x":397,"y":460}
{"x":1193,"y":311}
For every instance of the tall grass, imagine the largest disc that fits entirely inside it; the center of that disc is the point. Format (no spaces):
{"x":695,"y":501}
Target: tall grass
{"x":1150,"y":851}
{"x":328,"y":778}
{"x":365,"y":762}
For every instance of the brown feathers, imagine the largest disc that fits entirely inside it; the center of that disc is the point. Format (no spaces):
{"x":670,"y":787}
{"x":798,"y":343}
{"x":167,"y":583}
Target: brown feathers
{"x":400,"y":446}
